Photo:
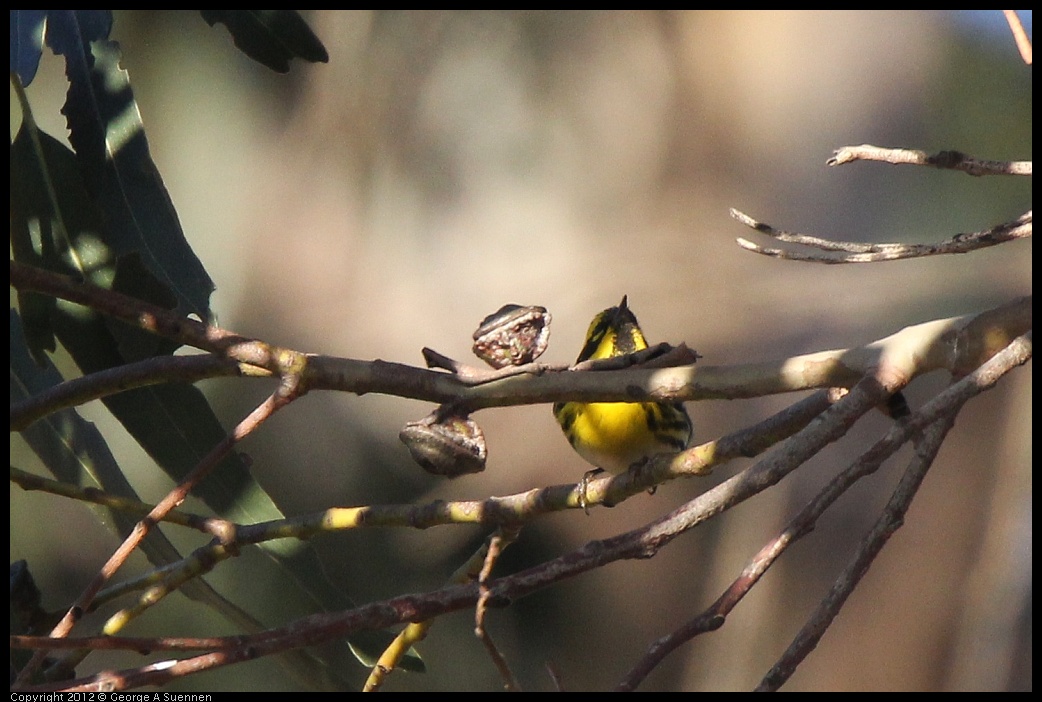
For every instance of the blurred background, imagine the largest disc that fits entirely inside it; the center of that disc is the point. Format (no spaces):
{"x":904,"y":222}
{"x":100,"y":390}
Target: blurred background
{"x":443,"y":164}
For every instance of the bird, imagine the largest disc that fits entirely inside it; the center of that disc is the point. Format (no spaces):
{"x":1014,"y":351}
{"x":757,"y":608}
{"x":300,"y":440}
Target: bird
{"x":613,"y":436}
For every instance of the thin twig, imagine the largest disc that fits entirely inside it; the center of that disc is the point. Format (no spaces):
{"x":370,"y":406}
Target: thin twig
{"x":174,"y":498}
{"x":474,"y":375}
{"x":713,"y":617}
{"x":1019,"y":35}
{"x":417,"y":630}
{"x":412,"y":634}
{"x":859,"y":252}
{"x":141,"y":644}
{"x":555,"y":676}
{"x":145,"y":316}
{"x":658,"y":356}
{"x":949,"y":402}
{"x":887,"y":524}
{"x":947,"y":160}
{"x":150,"y":371}
{"x":208,"y":525}
{"x":499,"y":542}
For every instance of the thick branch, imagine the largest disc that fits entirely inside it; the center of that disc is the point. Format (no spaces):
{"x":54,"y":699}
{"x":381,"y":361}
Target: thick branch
{"x":938,"y":345}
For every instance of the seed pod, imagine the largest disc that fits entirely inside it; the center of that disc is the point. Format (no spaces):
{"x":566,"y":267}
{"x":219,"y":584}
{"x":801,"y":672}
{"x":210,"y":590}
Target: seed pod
{"x":451,"y":447}
{"x":512,"y":336}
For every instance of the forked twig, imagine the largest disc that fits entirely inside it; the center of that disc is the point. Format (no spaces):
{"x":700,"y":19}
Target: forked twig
{"x":859,"y":252}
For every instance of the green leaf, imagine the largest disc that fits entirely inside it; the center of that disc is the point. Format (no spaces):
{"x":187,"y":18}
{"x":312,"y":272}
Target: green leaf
{"x":48,"y":201}
{"x":106,"y":132}
{"x":133,"y":278}
{"x":103,"y":214}
{"x":75,"y":452}
{"x":173,"y":423}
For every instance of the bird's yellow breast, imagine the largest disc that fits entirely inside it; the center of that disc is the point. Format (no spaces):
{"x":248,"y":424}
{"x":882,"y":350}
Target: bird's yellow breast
{"x":614,"y":435}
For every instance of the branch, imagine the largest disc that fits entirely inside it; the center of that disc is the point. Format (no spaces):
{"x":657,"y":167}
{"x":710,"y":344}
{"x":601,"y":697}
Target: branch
{"x":213,"y":526}
{"x":947,"y":160}
{"x":937,"y":345}
{"x":944,"y":409}
{"x":496,"y":545}
{"x":508,"y":511}
{"x":889,"y":522}
{"x":151,"y":371}
{"x":639,"y":543}
{"x":857,"y":252}
{"x":1019,"y":35}
{"x":941,"y":409}
{"x":173,"y":499}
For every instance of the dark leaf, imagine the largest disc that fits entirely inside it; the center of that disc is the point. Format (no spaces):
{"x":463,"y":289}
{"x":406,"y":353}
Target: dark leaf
{"x":133,"y":278}
{"x":27,"y":42}
{"x":270,"y":37}
{"x":75,"y":452}
{"x":106,"y":132}
{"x":63,"y":235}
